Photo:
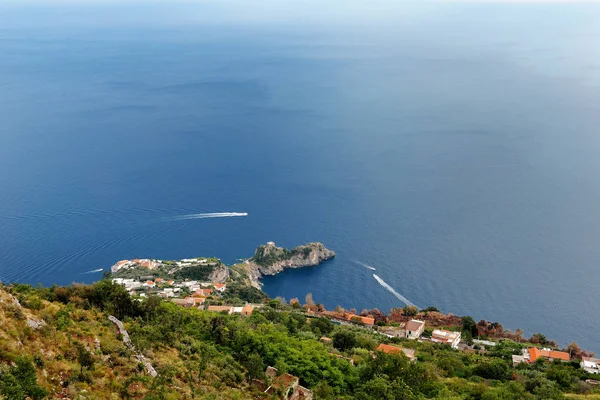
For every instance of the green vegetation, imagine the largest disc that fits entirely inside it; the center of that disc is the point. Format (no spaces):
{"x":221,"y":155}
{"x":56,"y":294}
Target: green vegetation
{"x":194,"y":272}
{"x":205,"y":355}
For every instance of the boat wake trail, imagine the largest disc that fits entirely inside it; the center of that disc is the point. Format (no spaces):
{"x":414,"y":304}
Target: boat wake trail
{"x":392,"y":291}
{"x":364,"y":265}
{"x":93,"y":271}
{"x":209,"y":215}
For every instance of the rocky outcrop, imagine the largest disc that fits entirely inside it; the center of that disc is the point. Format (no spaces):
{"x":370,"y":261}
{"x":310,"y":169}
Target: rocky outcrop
{"x":127,"y":341}
{"x":270,"y":259}
{"x":219,"y":274}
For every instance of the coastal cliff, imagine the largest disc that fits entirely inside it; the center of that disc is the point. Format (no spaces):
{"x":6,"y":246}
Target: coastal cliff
{"x":270,"y":259}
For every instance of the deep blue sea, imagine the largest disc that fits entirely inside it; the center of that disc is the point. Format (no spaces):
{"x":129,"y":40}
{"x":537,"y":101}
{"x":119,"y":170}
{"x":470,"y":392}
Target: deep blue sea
{"x":455,"y":148}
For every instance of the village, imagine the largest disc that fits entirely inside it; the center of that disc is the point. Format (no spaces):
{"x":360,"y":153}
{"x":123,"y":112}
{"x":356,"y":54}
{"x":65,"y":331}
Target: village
{"x":207,"y":295}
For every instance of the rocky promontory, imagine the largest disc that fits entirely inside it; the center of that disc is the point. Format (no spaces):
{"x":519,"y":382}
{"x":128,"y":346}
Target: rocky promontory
{"x":270,"y":259}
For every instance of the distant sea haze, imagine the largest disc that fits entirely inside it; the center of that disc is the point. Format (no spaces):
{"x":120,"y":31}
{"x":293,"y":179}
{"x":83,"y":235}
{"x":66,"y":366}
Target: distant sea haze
{"x":448,"y":153}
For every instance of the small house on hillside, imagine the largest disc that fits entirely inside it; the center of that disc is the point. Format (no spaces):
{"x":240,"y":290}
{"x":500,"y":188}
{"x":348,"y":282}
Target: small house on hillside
{"x":551,"y":355}
{"x":247,"y":310}
{"x":414,"y":329}
{"x":389,"y":349}
{"x":368,"y":321}
{"x":447,"y":337}
{"x":392,"y":331}
{"x":590,"y":365}
{"x":227,"y":309}
{"x":286,"y":386}
{"x":219,"y":287}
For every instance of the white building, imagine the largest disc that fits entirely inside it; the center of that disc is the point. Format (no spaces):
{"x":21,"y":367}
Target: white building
{"x":414,"y":328}
{"x":590,"y":365}
{"x":448,"y":337}
{"x":219,"y":287}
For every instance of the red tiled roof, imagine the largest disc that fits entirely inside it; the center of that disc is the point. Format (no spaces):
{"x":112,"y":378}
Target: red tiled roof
{"x":388,"y":349}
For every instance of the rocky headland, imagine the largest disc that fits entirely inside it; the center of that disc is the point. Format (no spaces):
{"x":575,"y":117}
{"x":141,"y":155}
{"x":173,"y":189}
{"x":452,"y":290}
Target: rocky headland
{"x":269,"y":259}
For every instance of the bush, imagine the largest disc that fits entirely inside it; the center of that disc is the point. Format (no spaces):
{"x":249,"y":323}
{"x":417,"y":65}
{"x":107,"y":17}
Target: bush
{"x":344,"y":340}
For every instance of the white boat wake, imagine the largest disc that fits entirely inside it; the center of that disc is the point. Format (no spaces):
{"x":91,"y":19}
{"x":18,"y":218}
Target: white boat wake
{"x":94,"y":271}
{"x":364,"y":265}
{"x":392,"y":291}
{"x":209,"y":215}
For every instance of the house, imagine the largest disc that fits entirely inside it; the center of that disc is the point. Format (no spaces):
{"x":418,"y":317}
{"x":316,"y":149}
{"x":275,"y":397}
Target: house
{"x":203,"y":292}
{"x":149,"y":284}
{"x":170,"y":282}
{"x":325,"y":340}
{"x":219,"y":287}
{"x":227,"y":309}
{"x":286,"y":386}
{"x":516,"y":360}
{"x":195,"y":301}
{"x":392,"y":331}
{"x":414,"y":328}
{"x":184,"y":302}
{"x":389,"y":349}
{"x":159,"y":280}
{"x":369,"y":321}
{"x":535,"y":353}
{"x":247,"y":310}
{"x":448,"y":337}
{"x":590,"y":365}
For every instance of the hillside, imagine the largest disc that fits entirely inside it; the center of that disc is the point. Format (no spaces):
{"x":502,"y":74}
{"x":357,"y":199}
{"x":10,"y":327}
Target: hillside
{"x":59,"y":343}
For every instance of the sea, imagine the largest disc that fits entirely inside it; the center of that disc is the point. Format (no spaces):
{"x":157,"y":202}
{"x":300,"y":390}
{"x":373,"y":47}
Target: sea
{"x":449,"y":152}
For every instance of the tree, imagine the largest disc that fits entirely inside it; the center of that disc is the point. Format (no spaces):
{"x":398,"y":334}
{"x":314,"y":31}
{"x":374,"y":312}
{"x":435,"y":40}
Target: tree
{"x":281,"y":366}
{"x":254,"y":366}
{"x":574,"y":350}
{"x":150,"y":307}
{"x":323,"y":391}
{"x":323,"y":325}
{"x":309,"y":300}
{"x":84,"y":357}
{"x":538,"y":338}
{"x":344,"y":340}
{"x":469,"y":328}
{"x":21,"y":381}
{"x":410,"y":311}
{"x":493,"y":369}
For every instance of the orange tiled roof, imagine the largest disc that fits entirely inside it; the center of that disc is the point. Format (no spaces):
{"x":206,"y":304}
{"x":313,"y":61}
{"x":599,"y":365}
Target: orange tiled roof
{"x":556,"y":355}
{"x":535,"y":353}
{"x":364,"y":320}
{"x":388,"y":349}
{"x":218,"y":285}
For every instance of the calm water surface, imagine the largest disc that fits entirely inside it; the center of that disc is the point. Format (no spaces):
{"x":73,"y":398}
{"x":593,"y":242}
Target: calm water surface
{"x":452,"y":147}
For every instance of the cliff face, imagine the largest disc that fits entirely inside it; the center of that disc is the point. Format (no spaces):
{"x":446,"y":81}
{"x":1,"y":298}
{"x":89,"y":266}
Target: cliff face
{"x":270,"y":259}
{"x":219,"y":274}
